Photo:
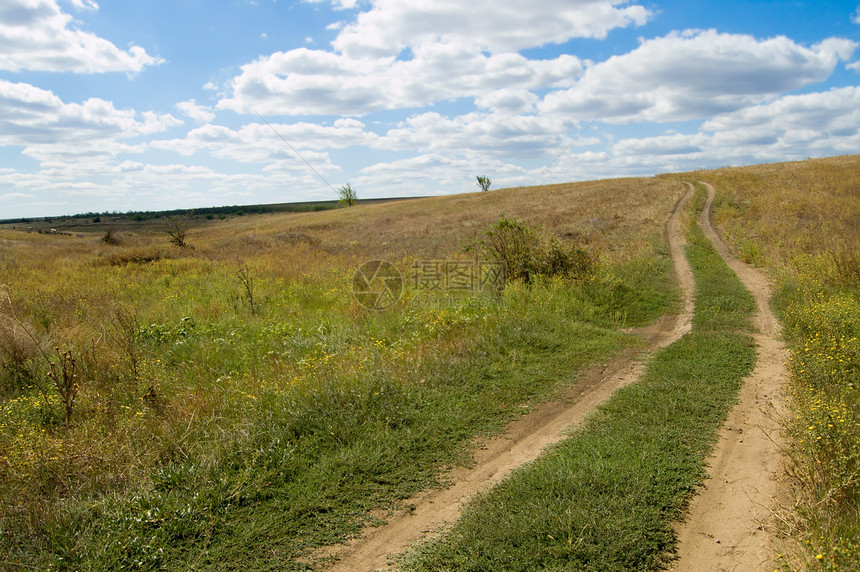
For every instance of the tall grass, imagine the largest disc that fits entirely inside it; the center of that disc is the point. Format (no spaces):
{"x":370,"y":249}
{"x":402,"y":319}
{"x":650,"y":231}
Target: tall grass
{"x":802,"y":222}
{"x":606,"y":498}
{"x":212,"y":432}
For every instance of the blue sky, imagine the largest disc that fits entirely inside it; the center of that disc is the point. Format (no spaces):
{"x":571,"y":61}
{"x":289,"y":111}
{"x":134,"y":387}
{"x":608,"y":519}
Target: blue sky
{"x":132,"y":105}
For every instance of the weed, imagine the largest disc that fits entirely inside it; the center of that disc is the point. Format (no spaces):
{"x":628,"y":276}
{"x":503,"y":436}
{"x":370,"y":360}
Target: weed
{"x":110,"y":237}
{"x":126,"y":329}
{"x":247,"y":283}
{"x":63,"y":375}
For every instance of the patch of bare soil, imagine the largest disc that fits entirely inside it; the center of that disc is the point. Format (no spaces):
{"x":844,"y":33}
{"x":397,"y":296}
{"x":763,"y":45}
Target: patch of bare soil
{"x":523,"y":440}
{"x":729,"y":522}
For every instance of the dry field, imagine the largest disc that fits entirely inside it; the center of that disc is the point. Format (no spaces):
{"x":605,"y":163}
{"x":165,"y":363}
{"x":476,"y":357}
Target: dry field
{"x":205,"y":399}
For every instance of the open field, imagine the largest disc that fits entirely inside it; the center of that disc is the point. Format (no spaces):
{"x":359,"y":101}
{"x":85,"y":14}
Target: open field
{"x":234,"y":395}
{"x":232,"y":405}
{"x":606,"y":498}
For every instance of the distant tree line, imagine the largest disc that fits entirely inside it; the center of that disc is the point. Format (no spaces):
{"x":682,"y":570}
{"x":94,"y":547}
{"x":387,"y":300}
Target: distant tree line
{"x":207,"y":212}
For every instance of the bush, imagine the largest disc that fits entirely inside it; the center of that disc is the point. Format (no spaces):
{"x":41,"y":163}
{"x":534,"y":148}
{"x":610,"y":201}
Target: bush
{"x":110,"y":237}
{"x":526,"y":253}
{"x":348,"y":194}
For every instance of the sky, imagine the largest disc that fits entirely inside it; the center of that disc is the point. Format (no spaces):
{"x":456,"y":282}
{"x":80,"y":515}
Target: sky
{"x":130,"y":105}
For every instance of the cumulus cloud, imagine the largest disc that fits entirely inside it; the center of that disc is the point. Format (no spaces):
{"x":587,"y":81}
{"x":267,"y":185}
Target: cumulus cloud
{"x":258,"y":142}
{"x":37,"y":35}
{"x":307,"y":82}
{"x":392,"y":25}
{"x":199,"y":113}
{"x":507,"y":100}
{"x":790,"y":128}
{"x":30,"y":116}
{"x":480,"y":135}
{"x":831,"y":114}
{"x":411,"y":53}
{"x":695,"y":74}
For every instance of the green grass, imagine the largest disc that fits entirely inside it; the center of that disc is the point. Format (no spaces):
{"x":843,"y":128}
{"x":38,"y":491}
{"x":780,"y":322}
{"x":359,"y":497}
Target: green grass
{"x":801,"y":221}
{"x":317,"y":418}
{"x":606,"y":498}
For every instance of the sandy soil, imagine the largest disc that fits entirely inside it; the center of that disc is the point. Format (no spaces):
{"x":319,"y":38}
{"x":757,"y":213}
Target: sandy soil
{"x":728,"y":524}
{"x":523,"y":440}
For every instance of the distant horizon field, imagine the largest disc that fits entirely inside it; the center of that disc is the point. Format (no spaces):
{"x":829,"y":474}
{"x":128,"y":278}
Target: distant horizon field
{"x":305,"y":206}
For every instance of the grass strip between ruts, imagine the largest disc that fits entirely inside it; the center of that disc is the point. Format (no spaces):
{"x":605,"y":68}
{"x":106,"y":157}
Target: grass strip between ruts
{"x":606,"y":498}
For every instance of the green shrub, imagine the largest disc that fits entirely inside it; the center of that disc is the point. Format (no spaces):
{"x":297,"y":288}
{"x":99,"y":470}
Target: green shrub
{"x":526,"y":253}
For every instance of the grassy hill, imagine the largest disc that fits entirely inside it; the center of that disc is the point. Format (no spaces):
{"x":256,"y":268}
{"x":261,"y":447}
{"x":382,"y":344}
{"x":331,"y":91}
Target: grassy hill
{"x":232,"y":404}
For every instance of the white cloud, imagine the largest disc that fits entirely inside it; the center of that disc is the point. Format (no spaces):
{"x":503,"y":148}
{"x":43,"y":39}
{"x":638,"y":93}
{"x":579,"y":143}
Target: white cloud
{"x":392,"y":25}
{"x":856,"y":16}
{"x":37,"y":35}
{"x":824,"y":112}
{"x":412,"y":53}
{"x":32,"y":116}
{"x":480,"y":135}
{"x":85,"y":4}
{"x":507,"y":100}
{"x":790,"y":128}
{"x":695,"y":74}
{"x":306,"y":81}
{"x":199,"y":113}
{"x":260,"y":143}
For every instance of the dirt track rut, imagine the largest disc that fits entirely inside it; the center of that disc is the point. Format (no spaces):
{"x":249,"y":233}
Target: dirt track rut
{"x":729,"y":522}
{"x":524,"y":439}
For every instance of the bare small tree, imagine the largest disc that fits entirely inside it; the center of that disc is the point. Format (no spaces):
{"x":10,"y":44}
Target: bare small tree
{"x":484,"y":182}
{"x":177,"y":229}
{"x":348,"y":195}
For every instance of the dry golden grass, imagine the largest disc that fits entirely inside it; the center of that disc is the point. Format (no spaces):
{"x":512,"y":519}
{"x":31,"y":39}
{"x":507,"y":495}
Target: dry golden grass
{"x":173,"y":396}
{"x":788,"y":209}
{"x":802,"y":222}
{"x":619,"y":216}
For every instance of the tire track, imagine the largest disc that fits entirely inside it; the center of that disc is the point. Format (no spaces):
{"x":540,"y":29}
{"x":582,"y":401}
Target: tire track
{"x":728,"y":523}
{"x":524,"y":438}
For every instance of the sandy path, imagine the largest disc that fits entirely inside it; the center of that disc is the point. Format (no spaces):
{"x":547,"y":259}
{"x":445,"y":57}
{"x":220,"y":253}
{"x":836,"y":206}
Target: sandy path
{"x":524,"y":439}
{"x":727,"y":526}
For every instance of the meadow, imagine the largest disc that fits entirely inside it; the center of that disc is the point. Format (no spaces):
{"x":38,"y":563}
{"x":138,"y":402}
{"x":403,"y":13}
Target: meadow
{"x":231,"y":404}
{"x":801,"y":222}
{"x":607,"y":497}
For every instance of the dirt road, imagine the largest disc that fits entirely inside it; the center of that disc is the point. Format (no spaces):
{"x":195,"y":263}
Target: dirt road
{"x":728,"y":523}
{"x":723,"y":531}
{"x":525,"y":438}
